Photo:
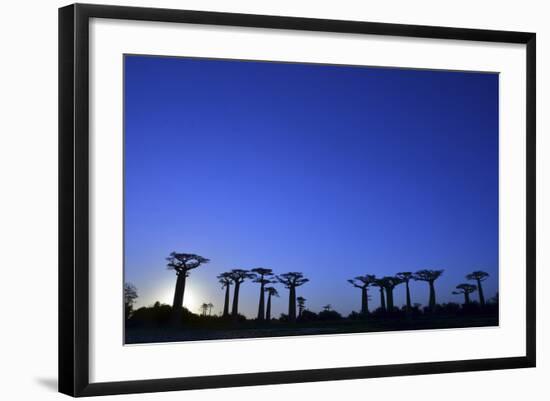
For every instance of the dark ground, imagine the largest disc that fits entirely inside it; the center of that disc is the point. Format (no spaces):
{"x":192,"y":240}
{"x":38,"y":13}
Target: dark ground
{"x":252,"y":329}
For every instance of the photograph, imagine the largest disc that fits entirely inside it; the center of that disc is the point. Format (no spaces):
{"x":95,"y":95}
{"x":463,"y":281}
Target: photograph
{"x":253,"y":197}
{"x":272,"y":199}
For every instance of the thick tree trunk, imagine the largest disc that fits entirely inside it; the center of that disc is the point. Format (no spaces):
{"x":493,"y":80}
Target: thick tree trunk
{"x":408,"y":297}
{"x":226,"y":302}
{"x":177,"y":305}
{"x":268,"y":309}
{"x":466,"y":298}
{"x":382,"y":299}
{"x":235,"y":309}
{"x":261,"y":312}
{"x":364,"y":301}
{"x":389,"y":299}
{"x":480,"y":291}
{"x":432,"y":296}
{"x":292,"y":304}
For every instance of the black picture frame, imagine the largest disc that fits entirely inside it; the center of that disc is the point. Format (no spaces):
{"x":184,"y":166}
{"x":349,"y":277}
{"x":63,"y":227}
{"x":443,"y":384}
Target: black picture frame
{"x":74,"y":198}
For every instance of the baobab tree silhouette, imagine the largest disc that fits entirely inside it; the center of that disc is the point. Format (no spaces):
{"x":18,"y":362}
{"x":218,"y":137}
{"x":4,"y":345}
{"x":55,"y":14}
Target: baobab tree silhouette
{"x":291,"y":280}
{"x":405,"y":277}
{"x":238,"y":276}
{"x":363,"y":282}
{"x":465,"y":289}
{"x":262,"y":277}
{"x":380,"y":284}
{"x":210,"y":306}
{"x":182,"y":264}
{"x":429,"y":276}
{"x":204,"y":308}
{"x":225,"y":280}
{"x":301,"y":305}
{"x":271,"y":292}
{"x":327,"y":307}
{"x":389,"y":283}
{"x":479,"y":276}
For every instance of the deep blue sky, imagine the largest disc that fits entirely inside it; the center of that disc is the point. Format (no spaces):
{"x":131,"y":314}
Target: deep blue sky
{"x":333,"y":171}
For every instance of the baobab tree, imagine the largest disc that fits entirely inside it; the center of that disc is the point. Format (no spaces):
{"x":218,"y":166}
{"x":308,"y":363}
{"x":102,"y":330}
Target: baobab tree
{"x":327,"y":307}
{"x":301,"y":305}
{"x":479,"y":276}
{"x":225,"y":280}
{"x":238,"y":276}
{"x":465,"y":289}
{"x":429,"y":276}
{"x":210,"y":306}
{"x":363,"y":282}
{"x":204,"y":308}
{"x":291,"y":280}
{"x":182,"y":264}
{"x":389,"y":283}
{"x":262,"y":277}
{"x":381,"y":286}
{"x":271,"y":292}
{"x":130,"y":296}
{"x":405,"y":277}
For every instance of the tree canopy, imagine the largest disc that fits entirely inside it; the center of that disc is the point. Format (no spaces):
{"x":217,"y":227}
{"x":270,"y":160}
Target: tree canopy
{"x":292,"y":279}
{"x":184,"y":262}
{"x":465,"y":289}
{"x":240,"y":275}
{"x":478,"y":275}
{"x":427,"y":275}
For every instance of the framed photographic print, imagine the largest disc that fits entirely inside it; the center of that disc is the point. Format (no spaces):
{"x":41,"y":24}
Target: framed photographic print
{"x":241,"y":188}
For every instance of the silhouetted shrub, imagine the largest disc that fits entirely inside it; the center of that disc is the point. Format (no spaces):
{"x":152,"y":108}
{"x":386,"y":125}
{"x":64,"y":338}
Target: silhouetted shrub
{"x":379,"y":312}
{"x":240,"y":318}
{"x":284,"y":318}
{"x":356,"y":316}
{"x":329,"y":315}
{"x":189,"y":317}
{"x":396,"y":312}
{"x":493,"y":300}
{"x":491,"y":307}
{"x":152,"y":316}
{"x":308,"y":316}
{"x":471,"y":309}
{"x":414,"y":311}
{"x":159,"y":315}
{"x":450,"y":308}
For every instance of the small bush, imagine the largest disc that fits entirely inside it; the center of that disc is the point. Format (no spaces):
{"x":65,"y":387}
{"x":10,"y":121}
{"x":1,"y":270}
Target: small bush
{"x":329,"y":315}
{"x":308,"y":316}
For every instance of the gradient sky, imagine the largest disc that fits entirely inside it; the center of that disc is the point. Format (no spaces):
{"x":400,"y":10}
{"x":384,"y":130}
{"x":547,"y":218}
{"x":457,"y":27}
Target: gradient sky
{"x":334,"y":171}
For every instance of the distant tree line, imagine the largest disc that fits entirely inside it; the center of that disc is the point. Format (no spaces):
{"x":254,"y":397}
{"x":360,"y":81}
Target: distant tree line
{"x":183,"y":263}
{"x":387,"y":284}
